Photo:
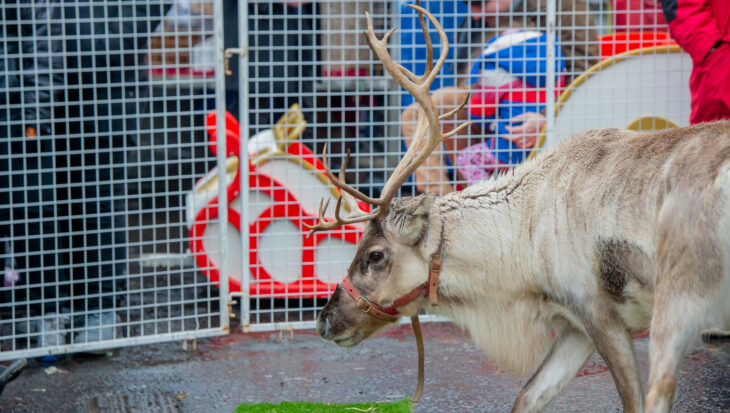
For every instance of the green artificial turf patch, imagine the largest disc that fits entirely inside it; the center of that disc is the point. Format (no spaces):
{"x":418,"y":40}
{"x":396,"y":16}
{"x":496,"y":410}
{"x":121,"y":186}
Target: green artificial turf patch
{"x":403,"y":406}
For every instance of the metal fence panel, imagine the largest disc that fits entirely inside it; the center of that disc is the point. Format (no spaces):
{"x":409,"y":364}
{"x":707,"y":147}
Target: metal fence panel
{"x":308,"y":69}
{"x":114,"y":194}
{"x":539,"y":71}
{"x":102,"y":117}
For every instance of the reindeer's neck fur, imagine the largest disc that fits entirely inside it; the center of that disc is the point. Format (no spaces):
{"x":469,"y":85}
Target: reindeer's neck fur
{"x":491,"y":216}
{"x":491,"y":272}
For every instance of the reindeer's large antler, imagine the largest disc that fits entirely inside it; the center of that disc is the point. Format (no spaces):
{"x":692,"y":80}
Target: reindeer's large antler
{"x":428,"y":122}
{"x":356,"y":214}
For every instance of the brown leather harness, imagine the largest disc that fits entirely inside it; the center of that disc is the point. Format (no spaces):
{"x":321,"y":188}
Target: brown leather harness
{"x":391,"y":314}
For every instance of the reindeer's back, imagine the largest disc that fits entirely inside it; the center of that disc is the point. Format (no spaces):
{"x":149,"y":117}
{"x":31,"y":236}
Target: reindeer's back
{"x":639,"y":171}
{"x":680,"y":156}
{"x":666,"y":193}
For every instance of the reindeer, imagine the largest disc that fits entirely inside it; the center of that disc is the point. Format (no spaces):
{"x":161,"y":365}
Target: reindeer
{"x":608,"y":234}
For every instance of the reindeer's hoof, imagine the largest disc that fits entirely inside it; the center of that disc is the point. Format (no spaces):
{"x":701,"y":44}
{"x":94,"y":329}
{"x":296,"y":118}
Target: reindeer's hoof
{"x":715,"y":334}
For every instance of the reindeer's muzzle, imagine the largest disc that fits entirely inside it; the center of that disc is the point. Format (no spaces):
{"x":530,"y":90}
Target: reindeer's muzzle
{"x":349,"y":320}
{"x":324,"y":325}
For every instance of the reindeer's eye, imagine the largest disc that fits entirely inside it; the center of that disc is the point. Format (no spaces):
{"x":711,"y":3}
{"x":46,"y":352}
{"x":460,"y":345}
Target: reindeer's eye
{"x":375,"y":256}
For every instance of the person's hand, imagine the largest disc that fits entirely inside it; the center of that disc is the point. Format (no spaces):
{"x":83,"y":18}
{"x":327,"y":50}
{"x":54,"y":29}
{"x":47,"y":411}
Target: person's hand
{"x":296,"y":3}
{"x":489,"y":9}
{"x":526,"y":135}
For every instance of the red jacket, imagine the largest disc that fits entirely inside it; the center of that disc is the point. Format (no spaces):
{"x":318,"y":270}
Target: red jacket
{"x":697,"y":25}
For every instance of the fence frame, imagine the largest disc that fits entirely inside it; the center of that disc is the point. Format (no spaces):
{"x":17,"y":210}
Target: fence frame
{"x":155,"y":260}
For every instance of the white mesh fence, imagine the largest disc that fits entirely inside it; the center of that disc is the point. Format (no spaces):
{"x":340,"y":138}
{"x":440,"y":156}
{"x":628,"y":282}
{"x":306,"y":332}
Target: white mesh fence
{"x":597,"y":63}
{"x":600,"y":63}
{"x":102,"y":124}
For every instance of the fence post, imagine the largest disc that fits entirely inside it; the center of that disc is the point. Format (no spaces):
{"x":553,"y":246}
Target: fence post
{"x":243,"y":122}
{"x":221,"y":157}
{"x":550,"y":98}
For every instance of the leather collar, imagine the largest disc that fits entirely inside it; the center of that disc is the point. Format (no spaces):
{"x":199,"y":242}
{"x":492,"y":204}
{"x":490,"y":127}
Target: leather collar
{"x":391,"y":314}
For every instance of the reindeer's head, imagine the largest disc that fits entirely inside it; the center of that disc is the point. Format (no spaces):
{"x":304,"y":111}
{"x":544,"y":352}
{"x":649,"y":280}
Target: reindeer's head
{"x":396,"y":261}
{"x":388,"y":266}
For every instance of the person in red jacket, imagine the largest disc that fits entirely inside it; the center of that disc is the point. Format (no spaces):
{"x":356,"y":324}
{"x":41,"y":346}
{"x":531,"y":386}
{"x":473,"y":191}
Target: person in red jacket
{"x":702,"y":29}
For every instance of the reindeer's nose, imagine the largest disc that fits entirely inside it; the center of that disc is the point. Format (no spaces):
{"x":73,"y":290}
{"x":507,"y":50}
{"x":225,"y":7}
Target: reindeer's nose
{"x":324,"y":324}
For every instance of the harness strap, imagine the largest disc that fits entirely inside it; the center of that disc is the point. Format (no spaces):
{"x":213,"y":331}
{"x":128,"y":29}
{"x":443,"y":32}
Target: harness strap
{"x":433,"y":277}
{"x":368,"y":307}
{"x":421,"y":358}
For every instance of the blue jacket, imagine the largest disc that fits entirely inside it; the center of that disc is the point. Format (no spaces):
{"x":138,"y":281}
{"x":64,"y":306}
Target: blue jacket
{"x":508,"y":80}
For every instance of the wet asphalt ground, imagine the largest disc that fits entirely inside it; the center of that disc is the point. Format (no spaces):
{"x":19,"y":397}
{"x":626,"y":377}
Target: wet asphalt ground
{"x":270,"y":367}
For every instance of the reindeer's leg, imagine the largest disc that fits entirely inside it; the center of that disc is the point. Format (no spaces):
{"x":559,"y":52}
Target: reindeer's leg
{"x":613,"y":343}
{"x":569,"y":352}
{"x":676,"y":321}
{"x":688,"y":296}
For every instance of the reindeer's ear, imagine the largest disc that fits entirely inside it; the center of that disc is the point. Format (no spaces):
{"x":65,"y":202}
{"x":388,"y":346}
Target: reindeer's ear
{"x":408,"y":217}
